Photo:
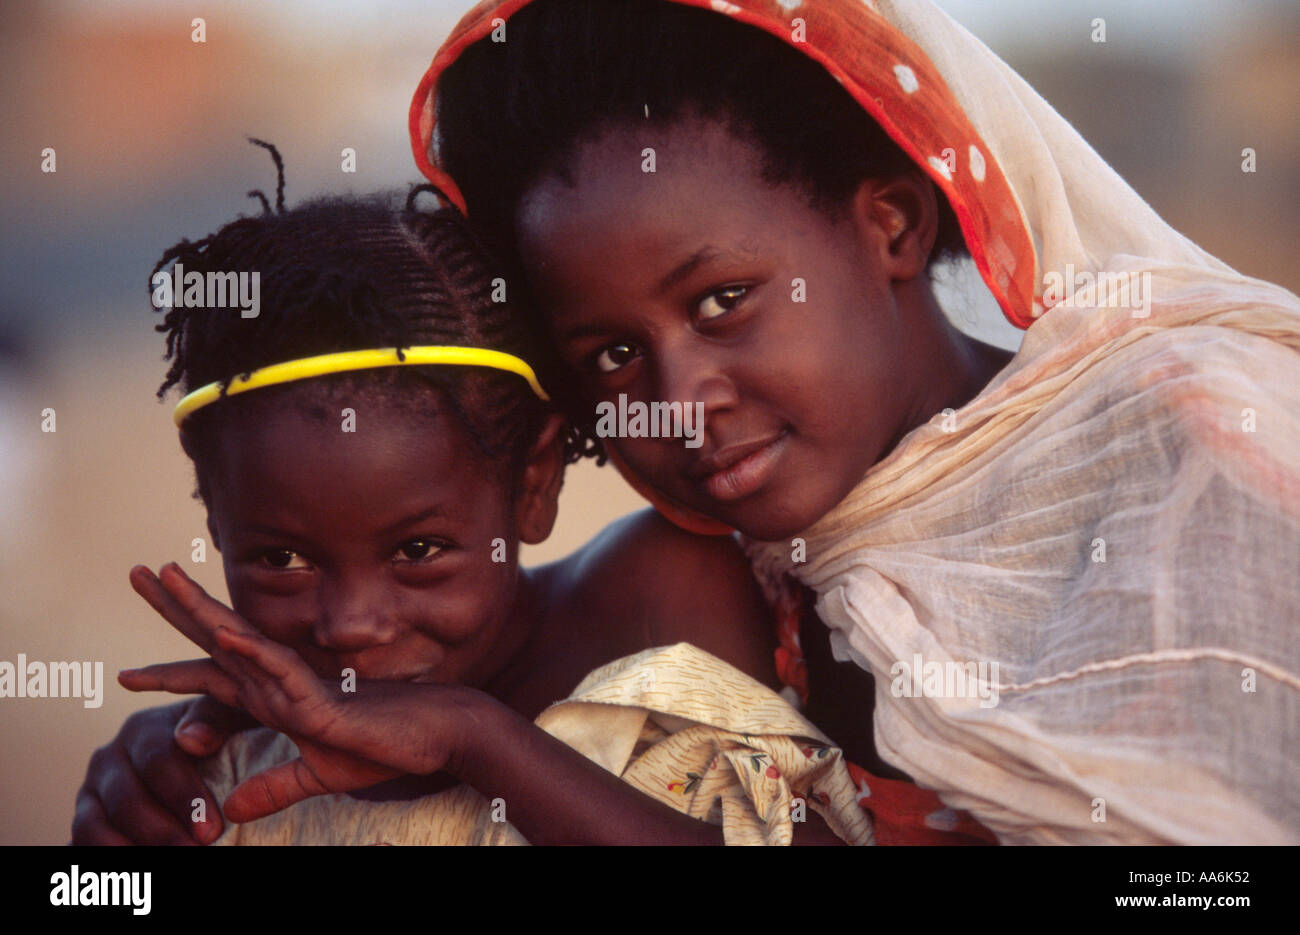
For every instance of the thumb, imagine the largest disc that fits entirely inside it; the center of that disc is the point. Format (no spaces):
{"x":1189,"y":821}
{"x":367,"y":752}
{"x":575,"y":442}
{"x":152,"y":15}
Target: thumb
{"x":272,"y":791}
{"x":207,"y":724}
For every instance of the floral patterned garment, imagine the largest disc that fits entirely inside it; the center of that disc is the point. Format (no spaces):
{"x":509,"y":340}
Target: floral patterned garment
{"x":902,"y":812}
{"x":680,"y":725}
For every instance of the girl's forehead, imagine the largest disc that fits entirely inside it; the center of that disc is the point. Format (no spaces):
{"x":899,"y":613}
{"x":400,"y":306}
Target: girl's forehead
{"x":712,"y":135}
{"x":708,"y":195}
{"x":298,"y":426}
{"x":652,"y":171}
{"x":362,"y":464}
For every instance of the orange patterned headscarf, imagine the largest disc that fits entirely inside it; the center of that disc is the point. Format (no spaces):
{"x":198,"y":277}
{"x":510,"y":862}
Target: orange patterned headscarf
{"x":887,"y":74}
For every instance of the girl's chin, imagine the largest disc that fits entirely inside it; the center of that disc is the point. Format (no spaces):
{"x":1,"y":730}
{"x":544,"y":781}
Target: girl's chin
{"x":766,"y":532}
{"x":768,"y":518}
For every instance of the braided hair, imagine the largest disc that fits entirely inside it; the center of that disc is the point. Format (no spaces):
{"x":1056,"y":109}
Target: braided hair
{"x":513,"y":113}
{"x":351,"y":273}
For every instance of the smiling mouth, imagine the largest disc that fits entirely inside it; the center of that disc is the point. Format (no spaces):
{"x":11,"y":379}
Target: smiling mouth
{"x":738,"y":471}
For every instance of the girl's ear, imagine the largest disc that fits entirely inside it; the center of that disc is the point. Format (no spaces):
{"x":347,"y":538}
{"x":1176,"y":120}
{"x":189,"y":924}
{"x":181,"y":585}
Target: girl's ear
{"x":538,"y":494}
{"x":898,"y":218}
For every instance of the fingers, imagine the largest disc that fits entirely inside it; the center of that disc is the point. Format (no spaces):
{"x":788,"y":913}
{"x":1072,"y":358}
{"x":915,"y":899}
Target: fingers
{"x":207,"y":724}
{"x":90,"y":824}
{"x":191,"y":677}
{"x":201,"y":606}
{"x":185,"y":605}
{"x":272,"y":791}
{"x":150,"y":587}
{"x":272,"y":658}
{"x":173,"y":779}
{"x":138,"y":788}
{"x":245,"y":655}
{"x":134,"y":810}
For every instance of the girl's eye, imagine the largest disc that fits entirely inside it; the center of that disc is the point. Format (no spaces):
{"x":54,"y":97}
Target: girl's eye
{"x":616,"y":356}
{"x":418,"y":550}
{"x":719,"y":303}
{"x":285,"y":559}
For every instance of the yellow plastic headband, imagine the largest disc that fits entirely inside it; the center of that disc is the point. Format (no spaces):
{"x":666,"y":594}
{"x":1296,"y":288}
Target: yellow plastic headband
{"x":343,"y":361}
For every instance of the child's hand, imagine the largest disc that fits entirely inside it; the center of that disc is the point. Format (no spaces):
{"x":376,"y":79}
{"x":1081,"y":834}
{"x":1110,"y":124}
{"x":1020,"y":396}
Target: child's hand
{"x":140,"y":786}
{"x":345,"y":741}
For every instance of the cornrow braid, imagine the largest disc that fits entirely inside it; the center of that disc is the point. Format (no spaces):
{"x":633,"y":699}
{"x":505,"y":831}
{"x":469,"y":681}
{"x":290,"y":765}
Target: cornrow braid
{"x":349,"y":273}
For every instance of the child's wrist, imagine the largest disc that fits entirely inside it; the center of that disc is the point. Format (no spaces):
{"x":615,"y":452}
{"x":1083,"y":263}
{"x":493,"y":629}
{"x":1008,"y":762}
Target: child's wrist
{"x":466,"y":725}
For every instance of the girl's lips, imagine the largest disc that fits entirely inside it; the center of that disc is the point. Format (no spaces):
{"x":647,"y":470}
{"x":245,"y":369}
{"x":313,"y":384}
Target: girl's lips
{"x":747,"y":474}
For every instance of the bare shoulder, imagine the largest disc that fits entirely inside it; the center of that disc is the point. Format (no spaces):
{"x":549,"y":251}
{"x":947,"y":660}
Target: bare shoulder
{"x":650,"y":583}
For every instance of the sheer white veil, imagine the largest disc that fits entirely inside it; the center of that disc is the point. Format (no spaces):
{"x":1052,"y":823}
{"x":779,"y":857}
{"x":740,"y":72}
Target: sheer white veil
{"x":1080,"y":593}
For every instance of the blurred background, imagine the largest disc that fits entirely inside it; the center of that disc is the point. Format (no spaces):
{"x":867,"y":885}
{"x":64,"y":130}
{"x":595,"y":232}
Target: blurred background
{"x":149,"y":128}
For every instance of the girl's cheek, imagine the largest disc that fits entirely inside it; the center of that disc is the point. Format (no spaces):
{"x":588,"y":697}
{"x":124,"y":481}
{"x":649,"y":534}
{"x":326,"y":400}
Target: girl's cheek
{"x":457,"y":612}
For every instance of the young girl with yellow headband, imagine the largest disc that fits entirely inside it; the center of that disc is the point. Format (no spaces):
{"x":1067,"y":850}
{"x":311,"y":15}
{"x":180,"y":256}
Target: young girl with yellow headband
{"x":371,"y":449}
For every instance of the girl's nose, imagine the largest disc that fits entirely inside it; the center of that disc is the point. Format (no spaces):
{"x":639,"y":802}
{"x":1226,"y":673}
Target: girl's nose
{"x":355,"y":615}
{"x":694,"y":371}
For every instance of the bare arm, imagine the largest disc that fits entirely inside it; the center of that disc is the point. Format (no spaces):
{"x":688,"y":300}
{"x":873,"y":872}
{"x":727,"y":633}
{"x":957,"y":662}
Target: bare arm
{"x":554,"y":795}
